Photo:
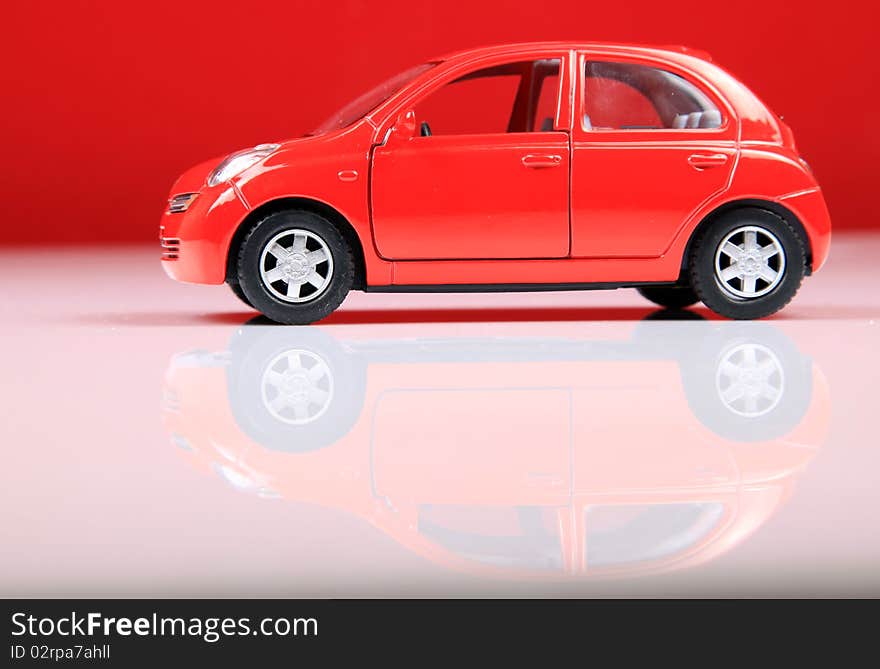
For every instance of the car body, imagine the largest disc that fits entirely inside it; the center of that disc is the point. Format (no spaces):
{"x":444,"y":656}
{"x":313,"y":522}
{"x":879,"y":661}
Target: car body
{"x":578,"y":202}
{"x":512,"y":450}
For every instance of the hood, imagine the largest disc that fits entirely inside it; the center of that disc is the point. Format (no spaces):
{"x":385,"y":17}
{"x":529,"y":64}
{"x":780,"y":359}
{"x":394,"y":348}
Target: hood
{"x":195,"y":178}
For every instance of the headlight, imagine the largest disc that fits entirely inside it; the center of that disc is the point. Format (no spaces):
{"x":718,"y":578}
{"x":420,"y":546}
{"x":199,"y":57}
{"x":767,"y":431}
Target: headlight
{"x":239,"y":162}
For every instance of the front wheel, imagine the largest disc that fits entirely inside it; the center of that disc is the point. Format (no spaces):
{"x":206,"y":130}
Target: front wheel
{"x":671,"y":297}
{"x":295,"y":267}
{"x":748,"y":264}
{"x":239,"y":293}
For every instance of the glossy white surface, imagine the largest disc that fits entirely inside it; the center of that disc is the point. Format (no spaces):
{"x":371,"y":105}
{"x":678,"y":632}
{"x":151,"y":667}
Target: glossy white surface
{"x":521,"y":444}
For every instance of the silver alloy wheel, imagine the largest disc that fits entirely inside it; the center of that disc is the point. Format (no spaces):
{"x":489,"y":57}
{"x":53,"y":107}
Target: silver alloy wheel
{"x":750,"y":380}
{"x":749,"y":262}
{"x":296,"y":265}
{"x":297,"y":387}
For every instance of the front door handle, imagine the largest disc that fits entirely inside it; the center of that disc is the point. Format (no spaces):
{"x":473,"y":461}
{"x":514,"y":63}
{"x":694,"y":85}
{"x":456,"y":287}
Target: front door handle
{"x":701,"y":161}
{"x":537,"y":160}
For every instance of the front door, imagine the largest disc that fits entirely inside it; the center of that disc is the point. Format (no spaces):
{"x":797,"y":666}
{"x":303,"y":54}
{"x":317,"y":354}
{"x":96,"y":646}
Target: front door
{"x":486,"y":176}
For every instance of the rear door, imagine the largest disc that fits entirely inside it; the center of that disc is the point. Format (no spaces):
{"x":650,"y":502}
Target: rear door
{"x":649,"y":146}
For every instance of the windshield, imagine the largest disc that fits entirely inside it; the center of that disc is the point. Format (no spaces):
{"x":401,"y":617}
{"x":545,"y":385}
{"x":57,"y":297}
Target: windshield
{"x":364,"y":104}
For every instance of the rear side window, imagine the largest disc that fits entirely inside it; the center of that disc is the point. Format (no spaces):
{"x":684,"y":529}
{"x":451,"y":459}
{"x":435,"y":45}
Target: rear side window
{"x":626,"y":96}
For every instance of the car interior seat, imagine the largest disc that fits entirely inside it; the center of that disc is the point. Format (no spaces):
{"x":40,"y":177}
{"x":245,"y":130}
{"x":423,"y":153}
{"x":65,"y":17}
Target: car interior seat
{"x":710,"y":118}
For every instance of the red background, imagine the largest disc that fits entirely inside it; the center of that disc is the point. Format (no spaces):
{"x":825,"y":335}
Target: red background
{"x":105,"y":103}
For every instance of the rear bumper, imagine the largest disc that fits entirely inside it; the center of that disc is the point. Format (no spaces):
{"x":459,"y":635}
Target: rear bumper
{"x":195,"y":243}
{"x":810,"y":208}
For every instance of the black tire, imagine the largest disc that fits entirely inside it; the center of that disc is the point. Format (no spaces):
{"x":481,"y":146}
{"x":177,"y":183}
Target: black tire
{"x":701,"y":265}
{"x":262,"y":298}
{"x":672,"y":297}
{"x":239,"y":293}
{"x":256,"y":349}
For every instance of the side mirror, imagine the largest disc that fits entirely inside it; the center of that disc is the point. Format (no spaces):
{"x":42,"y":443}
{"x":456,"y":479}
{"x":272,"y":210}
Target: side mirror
{"x":405,"y":126}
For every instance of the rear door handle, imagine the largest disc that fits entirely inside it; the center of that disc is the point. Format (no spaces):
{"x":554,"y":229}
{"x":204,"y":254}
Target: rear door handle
{"x":701,"y":161}
{"x":537,"y":160}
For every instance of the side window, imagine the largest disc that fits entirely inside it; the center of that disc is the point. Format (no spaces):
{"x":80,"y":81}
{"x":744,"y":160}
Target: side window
{"x":545,"y":87}
{"x":625,"y":96}
{"x":514,"y":97}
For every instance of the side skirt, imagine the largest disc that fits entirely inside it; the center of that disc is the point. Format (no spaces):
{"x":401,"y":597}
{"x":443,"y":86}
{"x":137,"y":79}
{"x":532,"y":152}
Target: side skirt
{"x":508,"y":287}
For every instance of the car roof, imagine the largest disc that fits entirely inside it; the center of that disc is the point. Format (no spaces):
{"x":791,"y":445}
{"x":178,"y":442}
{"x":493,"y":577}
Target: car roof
{"x":757,"y":122}
{"x":635,"y":49}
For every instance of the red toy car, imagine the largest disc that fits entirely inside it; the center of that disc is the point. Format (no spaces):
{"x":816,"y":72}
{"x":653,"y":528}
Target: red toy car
{"x":544,"y":166}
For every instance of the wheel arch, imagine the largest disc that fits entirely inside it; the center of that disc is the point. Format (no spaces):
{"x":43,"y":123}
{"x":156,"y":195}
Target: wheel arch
{"x":303,"y":204}
{"x":748,"y":203}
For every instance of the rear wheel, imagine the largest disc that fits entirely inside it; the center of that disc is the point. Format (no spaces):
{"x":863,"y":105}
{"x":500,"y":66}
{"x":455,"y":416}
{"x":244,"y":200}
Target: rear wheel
{"x":671,"y":297}
{"x":748,"y":264}
{"x":295,"y":267}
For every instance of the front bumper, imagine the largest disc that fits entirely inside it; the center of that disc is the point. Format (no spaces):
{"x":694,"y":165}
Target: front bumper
{"x":195,"y":242}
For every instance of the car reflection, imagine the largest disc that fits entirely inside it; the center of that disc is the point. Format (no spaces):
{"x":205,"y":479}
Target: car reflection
{"x":539,"y":450}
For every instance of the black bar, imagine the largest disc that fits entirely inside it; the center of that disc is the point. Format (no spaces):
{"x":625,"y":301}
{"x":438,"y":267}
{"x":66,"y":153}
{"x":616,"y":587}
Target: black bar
{"x":375,"y":632}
